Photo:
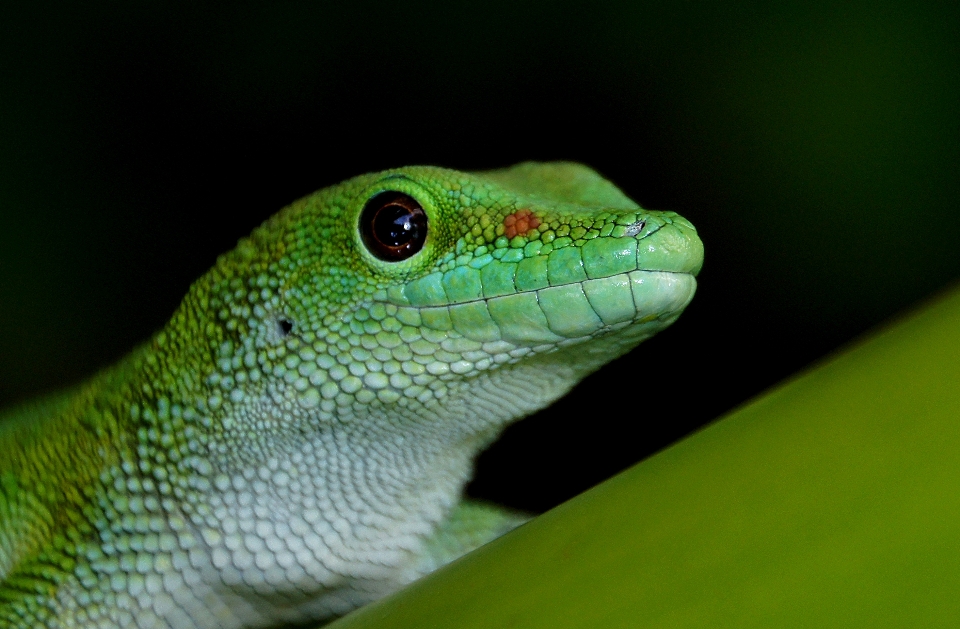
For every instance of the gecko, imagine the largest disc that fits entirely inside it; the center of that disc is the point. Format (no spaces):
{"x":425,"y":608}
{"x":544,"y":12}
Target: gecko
{"x":295,"y":441}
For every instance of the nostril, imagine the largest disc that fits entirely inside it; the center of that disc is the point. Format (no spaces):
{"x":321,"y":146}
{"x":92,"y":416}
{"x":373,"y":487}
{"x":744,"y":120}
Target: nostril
{"x":285,"y":326}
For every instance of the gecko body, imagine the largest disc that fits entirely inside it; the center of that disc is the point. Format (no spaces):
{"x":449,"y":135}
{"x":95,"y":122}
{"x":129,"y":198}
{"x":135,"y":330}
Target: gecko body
{"x":295,"y":441}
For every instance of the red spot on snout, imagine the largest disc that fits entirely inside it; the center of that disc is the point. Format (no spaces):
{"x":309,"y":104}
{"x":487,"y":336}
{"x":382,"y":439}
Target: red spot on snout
{"x":519,"y":223}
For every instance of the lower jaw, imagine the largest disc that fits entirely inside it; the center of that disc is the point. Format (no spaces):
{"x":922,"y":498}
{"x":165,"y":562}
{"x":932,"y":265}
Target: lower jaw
{"x":642,"y":301}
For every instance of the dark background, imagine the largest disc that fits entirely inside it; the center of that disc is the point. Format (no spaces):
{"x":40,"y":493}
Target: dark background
{"x":816,"y":147}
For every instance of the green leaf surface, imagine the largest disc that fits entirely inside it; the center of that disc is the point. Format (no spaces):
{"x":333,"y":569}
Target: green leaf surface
{"x":831,"y":501}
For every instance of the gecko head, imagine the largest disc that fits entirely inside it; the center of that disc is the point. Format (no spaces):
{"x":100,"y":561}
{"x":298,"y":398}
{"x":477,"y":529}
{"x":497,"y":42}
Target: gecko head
{"x":395,"y":286}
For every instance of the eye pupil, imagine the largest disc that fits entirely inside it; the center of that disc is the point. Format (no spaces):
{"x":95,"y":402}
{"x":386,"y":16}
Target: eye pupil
{"x":393,"y":226}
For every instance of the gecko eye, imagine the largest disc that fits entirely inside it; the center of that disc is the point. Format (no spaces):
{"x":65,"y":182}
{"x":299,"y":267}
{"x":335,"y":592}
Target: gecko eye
{"x":393,"y":226}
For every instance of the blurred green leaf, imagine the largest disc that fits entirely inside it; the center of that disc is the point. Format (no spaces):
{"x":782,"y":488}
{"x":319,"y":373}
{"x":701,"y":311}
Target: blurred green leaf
{"x":831,"y":501}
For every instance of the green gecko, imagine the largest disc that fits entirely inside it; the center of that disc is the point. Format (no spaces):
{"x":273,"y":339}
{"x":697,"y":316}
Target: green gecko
{"x":295,"y":441}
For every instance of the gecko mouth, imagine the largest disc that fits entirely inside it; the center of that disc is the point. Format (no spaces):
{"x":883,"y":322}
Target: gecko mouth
{"x":573,"y":293}
{"x":558,"y":315}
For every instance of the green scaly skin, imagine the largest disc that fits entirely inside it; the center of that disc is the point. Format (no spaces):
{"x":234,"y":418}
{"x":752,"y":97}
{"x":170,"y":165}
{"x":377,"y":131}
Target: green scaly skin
{"x":295,"y":441}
